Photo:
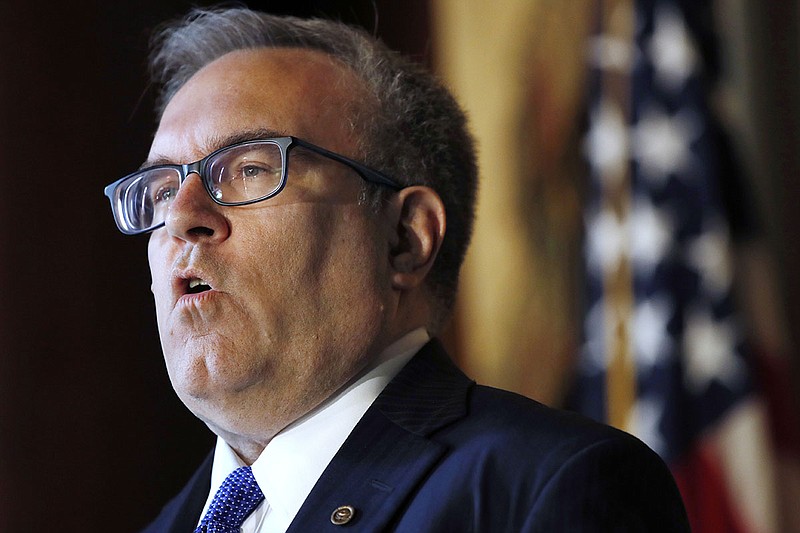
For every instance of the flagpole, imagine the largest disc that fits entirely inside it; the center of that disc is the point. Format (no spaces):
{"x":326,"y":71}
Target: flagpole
{"x":617,"y":23}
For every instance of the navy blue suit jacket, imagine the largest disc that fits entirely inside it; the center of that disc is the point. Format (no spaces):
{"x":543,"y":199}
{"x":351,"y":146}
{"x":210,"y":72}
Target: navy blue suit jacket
{"x":437,"y":453}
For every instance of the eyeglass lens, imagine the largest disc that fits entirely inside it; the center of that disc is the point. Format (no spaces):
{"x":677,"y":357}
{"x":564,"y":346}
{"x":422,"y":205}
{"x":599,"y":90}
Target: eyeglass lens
{"x":237,"y":174}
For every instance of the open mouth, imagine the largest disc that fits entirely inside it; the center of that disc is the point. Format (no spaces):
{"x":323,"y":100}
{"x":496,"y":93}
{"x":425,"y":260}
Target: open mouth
{"x":197,"y":286}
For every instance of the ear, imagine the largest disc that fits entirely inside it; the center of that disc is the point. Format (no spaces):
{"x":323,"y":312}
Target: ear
{"x":419,"y":226}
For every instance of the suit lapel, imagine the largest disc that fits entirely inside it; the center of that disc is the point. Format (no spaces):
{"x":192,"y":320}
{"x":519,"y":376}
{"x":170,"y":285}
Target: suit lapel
{"x":389,"y":453}
{"x":429,"y":393}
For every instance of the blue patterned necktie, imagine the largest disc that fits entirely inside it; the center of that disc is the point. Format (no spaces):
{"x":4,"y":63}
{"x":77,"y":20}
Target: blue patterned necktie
{"x":236,"y":498}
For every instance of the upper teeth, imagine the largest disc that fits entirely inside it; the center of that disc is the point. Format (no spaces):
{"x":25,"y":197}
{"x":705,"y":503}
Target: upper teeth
{"x":195,"y":282}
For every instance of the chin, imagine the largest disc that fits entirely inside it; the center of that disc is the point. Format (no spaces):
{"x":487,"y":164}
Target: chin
{"x":203,"y":401}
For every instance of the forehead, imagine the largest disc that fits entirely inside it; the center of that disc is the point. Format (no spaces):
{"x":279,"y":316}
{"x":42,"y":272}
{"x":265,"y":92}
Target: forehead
{"x":290,"y":91}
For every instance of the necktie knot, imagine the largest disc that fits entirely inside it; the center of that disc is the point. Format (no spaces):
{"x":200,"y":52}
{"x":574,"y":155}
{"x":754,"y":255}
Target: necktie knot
{"x":237,"y":497}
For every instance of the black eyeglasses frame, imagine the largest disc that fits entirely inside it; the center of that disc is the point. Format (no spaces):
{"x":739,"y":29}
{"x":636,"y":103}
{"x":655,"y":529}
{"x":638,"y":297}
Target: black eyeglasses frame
{"x":285,"y":144}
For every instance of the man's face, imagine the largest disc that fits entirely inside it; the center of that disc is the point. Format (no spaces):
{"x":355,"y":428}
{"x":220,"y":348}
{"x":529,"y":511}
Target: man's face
{"x":299,"y":293}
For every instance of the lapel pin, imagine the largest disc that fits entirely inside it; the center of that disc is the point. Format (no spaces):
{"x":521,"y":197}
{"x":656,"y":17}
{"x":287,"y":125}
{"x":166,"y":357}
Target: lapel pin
{"x":342,"y":515}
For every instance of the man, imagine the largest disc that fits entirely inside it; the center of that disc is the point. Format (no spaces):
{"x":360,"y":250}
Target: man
{"x":297,"y":192}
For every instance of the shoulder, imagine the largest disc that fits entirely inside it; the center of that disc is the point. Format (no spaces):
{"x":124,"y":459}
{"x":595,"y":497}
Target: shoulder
{"x":528,"y":436}
{"x":432,"y":397}
{"x":511,"y":417}
{"x":562,"y":469}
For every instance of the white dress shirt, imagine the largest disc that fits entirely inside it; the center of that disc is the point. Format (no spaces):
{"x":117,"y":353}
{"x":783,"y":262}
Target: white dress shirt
{"x":295,"y":458}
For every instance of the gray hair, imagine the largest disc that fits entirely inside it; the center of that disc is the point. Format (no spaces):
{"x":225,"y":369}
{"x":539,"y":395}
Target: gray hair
{"x":415,"y":131}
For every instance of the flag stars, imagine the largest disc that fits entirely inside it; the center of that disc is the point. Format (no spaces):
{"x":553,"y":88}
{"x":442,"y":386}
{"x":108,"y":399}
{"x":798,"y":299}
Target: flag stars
{"x":709,"y":347}
{"x":709,"y":254}
{"x":608,"y":241}
{"x":594,"y":359}
{"x":645,"y":236}
{"x":661,"y":143}
{"x":651,"y":235}
{"x":607,"y":143}
{"x":671,"y":49}
{"x":652,"y":342}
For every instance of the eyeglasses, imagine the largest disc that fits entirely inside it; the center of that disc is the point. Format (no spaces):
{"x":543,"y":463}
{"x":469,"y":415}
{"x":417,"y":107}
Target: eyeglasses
{"x":240,"y":174}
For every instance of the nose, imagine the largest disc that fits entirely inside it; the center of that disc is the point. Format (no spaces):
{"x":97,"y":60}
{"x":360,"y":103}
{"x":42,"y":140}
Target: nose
{"x":193,"y":216}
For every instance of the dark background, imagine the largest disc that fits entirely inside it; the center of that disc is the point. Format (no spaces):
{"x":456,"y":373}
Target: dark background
{"x":92,"y":437}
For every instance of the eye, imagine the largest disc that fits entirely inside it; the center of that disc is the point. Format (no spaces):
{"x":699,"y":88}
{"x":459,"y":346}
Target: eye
{"x":245,"y":172}
{"x":164,"y":194}
{"x":253,"y":171}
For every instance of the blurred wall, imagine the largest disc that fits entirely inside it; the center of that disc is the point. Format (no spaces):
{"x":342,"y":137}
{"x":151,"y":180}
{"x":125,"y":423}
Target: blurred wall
{"x":518,"y":66}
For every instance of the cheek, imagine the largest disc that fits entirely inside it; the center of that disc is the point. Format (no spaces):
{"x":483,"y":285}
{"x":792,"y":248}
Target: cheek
{"x":353,"y":276}
{"x":325,"y":269}
{"x":155,"y":255}
{"x":159,"y":274}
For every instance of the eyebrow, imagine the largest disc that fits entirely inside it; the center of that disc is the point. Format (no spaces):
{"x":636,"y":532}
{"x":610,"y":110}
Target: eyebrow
{"x":216,"y":142}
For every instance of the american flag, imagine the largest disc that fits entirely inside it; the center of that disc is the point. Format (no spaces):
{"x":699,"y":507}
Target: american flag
{"x":664,"y":357}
